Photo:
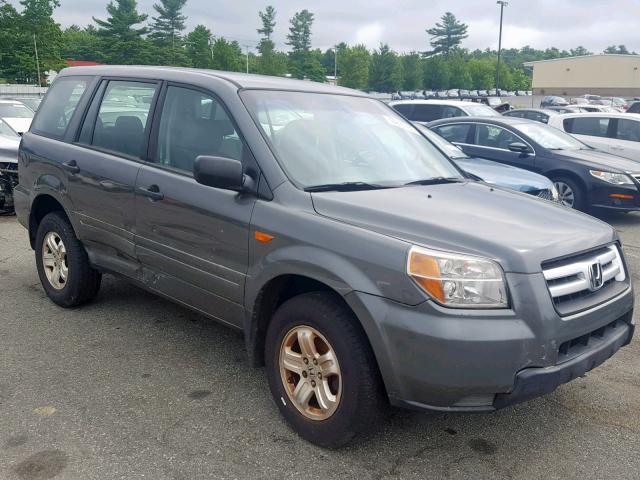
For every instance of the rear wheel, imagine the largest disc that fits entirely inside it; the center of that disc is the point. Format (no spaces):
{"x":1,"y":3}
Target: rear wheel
{"x":321,"y":370}
{"x":570,"y":193}
{"x":63,"y":266}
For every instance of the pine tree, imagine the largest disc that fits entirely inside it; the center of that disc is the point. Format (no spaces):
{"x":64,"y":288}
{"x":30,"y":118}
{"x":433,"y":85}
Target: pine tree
{"x":167,"y":27}
{"x":385,"y":73}
{"x":198,"y":44}
{"x":447,"y":35}
{"x":299,"y":39}
{"x":123,"y":43}
{"x":268,"y":18}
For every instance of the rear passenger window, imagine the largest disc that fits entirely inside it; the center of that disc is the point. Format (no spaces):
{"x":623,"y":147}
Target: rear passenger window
{"x":123,"y":116}
{"x":628,"y":130}
{"x":193,"y":124}
{"x":404,"y":109}
{"x":59,"y":106}
{"x":593,"y":126}
{"x":426,"y":113}
{"x":454,"y":133}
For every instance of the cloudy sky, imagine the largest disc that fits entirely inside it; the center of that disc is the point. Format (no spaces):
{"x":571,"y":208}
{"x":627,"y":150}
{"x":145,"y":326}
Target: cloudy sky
{"x":594,"y":24}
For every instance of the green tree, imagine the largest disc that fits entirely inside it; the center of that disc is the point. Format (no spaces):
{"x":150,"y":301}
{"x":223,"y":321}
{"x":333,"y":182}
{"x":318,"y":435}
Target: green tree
{"x":580,"y":51}
{"x":385,"y":72}
{"x":227,"y":56}
{"x":166,"y":31}
{"x":37,"y":20}
{"x":198,"y":43}
{"x":436,"y":73}
{"x":483,"y":73}
{"x":618,"y":49}
{"x":82,"y":44}
{"x":354,"y":67}
{"x":459,"y":71}
{"x":412,"y":72}
{"x":299,"y":39}
{"x":270,"y":62}
{"x":268,"y":18}
{"x":447,"y":35}
{"x":124,"y":43}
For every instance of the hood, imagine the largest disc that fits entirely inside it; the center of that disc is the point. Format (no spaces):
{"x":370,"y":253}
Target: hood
{"x":510,"y":227}
{"x":504,"y":175}
{"x":598,"y":159}
{"x":9,"y":149}
{"x":20,"y":125}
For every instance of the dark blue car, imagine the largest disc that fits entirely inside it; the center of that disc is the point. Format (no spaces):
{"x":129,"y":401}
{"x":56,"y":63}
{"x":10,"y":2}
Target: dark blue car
{"x":493,"y":172}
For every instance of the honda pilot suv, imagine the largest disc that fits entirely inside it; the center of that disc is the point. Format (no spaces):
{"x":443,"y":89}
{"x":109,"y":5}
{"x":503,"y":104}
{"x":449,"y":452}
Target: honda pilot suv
{"x":361,"y":264}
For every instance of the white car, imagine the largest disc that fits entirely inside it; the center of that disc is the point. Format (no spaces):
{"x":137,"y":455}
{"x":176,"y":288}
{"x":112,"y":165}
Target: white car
{"x":617,"y":133}
{"x":429,"y":110}
{"x":16,"y":114}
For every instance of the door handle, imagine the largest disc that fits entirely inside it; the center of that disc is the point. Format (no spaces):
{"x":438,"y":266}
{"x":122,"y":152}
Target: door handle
{"x":71,"y":166}
{"x":153,"y":192}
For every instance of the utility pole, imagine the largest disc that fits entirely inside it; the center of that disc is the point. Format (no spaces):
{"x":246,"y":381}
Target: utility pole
{"x":35,"y":47}
{"x":502,"y":4}
{"x":335,"y":64}
{"x":247,"y":50}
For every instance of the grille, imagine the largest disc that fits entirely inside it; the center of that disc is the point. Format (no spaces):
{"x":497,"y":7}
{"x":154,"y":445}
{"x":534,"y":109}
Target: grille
{"x":10,"y":172}
{"x":577,"y":346}
{"x":585,"y":280}
{"x":546,"y":194}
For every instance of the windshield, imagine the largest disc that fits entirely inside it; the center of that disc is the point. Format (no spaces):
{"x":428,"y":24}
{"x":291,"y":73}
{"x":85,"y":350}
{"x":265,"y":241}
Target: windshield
{"x":15,"y":110}
{"x":449,"y":149}
{"x":6,"y":130}
{"x":323,"y":139}
{"x":549,"y":137}
{"x":480,"y":111}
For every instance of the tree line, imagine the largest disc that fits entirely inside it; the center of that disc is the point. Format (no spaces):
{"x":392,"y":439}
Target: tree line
{"x":124,"y":35}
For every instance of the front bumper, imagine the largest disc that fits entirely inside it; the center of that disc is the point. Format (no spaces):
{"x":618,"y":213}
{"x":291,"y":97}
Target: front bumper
{"x":624,"y":198}
{"x":433,"y":358}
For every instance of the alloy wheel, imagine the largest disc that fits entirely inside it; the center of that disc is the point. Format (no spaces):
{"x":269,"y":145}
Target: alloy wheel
{"x":310,"y":373}
{"x":566,"y":196}
{"x":54,"y":260}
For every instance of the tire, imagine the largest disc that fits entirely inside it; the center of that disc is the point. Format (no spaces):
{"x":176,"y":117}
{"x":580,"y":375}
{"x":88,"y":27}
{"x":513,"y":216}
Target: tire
{"x":82,"y":282}
{"x":579,"y":194}
{"x":361,"y":400}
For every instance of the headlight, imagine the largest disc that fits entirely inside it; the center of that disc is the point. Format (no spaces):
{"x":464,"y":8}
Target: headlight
{"x":610,"y":177}
{"x":555,"y":196}
{"x":458,"y":281}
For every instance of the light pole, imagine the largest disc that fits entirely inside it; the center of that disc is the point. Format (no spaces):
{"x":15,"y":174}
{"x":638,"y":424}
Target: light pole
{"x":335,"y":64}
{"x":502,"y":4}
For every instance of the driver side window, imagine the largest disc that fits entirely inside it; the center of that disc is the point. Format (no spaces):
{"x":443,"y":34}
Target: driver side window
{"x":193,"y":124}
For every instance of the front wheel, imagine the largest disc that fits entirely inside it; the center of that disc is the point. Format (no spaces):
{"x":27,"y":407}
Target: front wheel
{"x":570,"y":193}
{"x":63,"y":266}
{"x":321,"y":370}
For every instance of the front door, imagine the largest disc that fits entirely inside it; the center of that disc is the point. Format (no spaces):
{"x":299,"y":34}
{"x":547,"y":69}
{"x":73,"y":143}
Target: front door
{"x":192,"y":239}
{"x":492,"y":142}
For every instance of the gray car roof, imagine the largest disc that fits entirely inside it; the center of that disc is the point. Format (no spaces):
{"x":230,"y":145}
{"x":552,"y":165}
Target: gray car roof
{"x":498,"y":120}
{"x":241,"y":80}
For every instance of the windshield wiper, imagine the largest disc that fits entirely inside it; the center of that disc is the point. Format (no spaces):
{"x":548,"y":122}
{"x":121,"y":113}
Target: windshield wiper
{"x":344,"y":187}
{"x":435,"y":181}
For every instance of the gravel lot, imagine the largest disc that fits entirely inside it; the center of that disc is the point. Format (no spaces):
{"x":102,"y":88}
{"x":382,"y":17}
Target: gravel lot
{"x":132,"y":386}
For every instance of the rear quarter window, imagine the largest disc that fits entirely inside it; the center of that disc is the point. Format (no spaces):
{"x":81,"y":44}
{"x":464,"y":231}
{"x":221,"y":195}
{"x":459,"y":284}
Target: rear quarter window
{"x":59,"y":105}
{"x":454,"y":133}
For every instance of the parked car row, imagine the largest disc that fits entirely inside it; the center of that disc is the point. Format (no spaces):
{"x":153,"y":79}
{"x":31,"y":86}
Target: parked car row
{"x":591,"y":171}
{"x":456,"y":94}
{"x":589,"y":103}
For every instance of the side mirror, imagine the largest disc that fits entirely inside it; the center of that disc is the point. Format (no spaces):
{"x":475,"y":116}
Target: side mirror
{"x":219,"y":172}
{"x":519,"y":147}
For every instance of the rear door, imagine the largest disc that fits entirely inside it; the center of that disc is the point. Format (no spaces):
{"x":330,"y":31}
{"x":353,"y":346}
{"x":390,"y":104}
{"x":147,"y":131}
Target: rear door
{"x":103,"y":165}
{"x":626,"y":138}
{"x":593,"y":131}
{"x":193,"y":239}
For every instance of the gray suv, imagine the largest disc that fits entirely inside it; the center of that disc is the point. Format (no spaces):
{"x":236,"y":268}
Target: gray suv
{"x":362,"y":266}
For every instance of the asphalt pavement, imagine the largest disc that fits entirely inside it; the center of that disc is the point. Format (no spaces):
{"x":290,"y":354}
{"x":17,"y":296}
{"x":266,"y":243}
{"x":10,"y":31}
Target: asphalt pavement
{"x":132,"y":386}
